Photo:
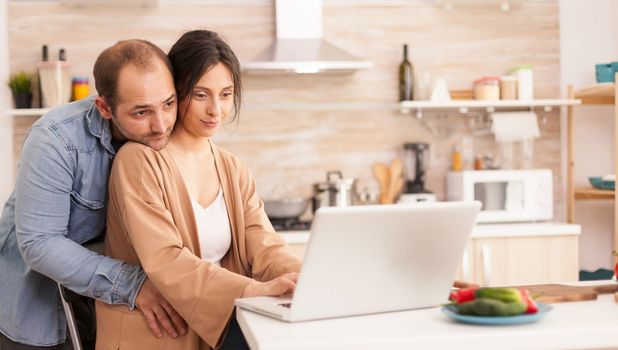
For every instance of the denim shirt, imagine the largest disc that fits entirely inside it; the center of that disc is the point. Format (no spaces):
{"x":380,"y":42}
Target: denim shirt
{"x":59,"y":203}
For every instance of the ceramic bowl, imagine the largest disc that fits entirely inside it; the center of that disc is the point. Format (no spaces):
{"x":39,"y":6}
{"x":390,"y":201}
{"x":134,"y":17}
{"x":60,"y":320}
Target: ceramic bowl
{"x":596,"y":182}
{"x":602,"y":183}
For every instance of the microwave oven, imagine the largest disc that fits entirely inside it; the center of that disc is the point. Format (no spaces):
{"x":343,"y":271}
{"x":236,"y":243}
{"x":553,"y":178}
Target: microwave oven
{"x":506,"y":195}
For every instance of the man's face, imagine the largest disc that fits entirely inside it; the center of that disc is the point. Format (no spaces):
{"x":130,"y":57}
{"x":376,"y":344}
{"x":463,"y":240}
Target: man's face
{"x":145,"y":110}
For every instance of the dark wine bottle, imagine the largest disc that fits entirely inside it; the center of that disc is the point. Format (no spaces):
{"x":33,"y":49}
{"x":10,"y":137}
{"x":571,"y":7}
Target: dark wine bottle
{"x":406,"y":77}
{"x":44,"y":58}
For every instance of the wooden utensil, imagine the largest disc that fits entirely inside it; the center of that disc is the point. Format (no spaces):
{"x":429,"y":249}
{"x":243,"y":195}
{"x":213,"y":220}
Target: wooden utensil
{"x":382,"y":174}
{"x":395,"y":180}
{"x":560,"y":293}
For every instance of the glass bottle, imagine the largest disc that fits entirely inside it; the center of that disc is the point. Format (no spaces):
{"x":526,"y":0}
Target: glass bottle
{"x":406,"y":77}
{"x":456,"y":160}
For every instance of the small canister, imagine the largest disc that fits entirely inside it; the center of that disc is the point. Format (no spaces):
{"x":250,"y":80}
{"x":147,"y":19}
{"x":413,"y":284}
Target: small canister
{"x":525,"y":82}
{"x":508,"y":87}
{"x":80,"y":88}
{"x":487,"y":88}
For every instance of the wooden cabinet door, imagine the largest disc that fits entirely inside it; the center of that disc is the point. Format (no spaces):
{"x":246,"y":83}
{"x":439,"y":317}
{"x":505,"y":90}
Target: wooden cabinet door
{"x":465,"y":271}
{"x":489,"y":261}
{"x":525,"y":260}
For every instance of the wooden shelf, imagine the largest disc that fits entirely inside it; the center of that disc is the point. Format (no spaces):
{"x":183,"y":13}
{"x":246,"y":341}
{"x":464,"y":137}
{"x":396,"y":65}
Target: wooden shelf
{"x":599,"y":94}
{"x":583,"y":193}
{"x":490,"y":105}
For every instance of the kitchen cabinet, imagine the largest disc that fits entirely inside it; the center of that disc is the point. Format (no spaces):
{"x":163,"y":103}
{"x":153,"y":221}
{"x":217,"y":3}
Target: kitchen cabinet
{"x":498,"y":261}
{"x":502,"y":254}
{"x":601,"y":94}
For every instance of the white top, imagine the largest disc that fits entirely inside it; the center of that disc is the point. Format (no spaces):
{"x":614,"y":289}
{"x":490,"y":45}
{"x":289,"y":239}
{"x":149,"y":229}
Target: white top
{"x":573,"y":325}
{"x":213,"y":228}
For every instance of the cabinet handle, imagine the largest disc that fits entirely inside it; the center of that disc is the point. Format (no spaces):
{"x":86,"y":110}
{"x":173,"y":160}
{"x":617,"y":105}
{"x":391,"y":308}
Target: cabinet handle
{"x":486,"y":259}
{"x":466,"y":266}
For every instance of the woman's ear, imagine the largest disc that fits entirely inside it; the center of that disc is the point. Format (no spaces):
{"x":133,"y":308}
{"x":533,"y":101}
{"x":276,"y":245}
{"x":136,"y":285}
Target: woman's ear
{"x":103,"y":107}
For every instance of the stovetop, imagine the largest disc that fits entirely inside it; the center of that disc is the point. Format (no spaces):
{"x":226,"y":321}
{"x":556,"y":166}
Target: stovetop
{"x":290,"y":224}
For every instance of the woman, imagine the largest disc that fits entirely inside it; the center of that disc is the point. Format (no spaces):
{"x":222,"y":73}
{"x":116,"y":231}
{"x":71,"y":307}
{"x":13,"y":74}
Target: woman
{"x":190,"y":214}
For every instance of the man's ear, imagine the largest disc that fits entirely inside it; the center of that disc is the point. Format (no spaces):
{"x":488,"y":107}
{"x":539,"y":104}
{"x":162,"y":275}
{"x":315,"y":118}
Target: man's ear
{"x":103,"y":107}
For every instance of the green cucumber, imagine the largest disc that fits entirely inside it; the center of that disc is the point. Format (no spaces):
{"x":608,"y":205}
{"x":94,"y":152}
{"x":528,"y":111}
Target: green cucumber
{"x":491,"y":307}
{"x":507,"y":295}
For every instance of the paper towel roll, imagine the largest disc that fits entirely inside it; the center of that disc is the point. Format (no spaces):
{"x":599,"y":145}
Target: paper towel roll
{"x":55,"y":80}
{"x":514,"y":126}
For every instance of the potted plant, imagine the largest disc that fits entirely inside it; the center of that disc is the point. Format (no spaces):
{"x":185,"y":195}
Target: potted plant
{"x":20,"y":84}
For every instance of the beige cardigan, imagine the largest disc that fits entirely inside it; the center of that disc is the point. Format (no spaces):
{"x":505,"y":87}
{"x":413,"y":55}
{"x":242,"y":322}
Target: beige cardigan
{"x":150,"y":222}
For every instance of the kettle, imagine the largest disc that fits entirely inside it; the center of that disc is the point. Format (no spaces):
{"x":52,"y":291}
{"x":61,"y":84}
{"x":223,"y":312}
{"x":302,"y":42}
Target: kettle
{"x":335,"y":192}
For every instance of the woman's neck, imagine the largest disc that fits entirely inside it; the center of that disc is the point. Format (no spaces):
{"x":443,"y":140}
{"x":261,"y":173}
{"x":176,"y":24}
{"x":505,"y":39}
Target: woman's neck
{"x":188,"y":143}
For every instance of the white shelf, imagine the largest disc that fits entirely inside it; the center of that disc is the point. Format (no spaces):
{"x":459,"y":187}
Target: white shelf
{"x":405,"y":106}
{"x":26,"y":112}
{"x":464,"y":105}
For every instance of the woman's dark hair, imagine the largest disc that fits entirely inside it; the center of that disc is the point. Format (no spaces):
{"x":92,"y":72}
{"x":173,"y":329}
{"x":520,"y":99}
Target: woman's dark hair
{"x":196,"y":52}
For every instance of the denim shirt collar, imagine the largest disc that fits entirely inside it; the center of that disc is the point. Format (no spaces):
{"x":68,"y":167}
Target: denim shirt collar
{"x":100,"y":128}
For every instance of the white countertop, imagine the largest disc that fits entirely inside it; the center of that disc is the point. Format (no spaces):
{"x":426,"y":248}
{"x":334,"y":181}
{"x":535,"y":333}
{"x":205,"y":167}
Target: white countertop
{"x":573,"y":325}
{"x":548,"y":228}
{"x":483,"y":231}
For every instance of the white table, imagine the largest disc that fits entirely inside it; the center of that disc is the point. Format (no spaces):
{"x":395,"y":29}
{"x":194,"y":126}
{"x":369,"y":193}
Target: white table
{"x":574,"y":325}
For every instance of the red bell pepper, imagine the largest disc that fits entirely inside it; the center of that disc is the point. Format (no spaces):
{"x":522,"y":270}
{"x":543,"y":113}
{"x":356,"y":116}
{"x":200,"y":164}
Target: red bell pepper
{"x":463,"y":294}
{"x":532,"y":308}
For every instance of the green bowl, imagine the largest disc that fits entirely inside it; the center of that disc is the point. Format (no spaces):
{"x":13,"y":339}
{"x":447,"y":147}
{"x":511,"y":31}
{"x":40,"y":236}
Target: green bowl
{"x":596,"y":182}
{"x":609,"y":185}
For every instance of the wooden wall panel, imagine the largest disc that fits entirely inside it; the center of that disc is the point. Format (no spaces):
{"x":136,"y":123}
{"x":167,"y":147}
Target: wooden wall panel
{"x":289,"y":150}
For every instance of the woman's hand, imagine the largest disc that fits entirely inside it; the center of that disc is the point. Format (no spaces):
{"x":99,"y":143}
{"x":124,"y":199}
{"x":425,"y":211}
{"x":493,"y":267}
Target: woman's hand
{"x":283,"y":284}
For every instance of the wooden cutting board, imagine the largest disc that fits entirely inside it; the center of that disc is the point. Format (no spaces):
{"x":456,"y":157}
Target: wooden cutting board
{"x":560,"y":293}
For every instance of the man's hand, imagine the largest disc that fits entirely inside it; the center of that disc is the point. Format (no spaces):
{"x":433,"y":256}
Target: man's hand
{"x":155,"y":308}
{"x":283,"y":284}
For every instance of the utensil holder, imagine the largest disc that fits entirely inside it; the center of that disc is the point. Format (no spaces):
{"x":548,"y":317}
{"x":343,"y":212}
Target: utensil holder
{"x":55,"y":81}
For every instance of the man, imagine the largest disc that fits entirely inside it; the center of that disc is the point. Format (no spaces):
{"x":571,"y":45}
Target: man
{"x":60,"y":197}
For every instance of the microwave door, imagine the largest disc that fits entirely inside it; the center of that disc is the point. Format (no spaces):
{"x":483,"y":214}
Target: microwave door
{"x":514,"y":196}
{"x":503,"y":201}
{"x":492,"y":195}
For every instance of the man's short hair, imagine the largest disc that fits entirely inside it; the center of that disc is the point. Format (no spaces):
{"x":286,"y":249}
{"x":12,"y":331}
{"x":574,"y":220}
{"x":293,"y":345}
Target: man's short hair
{"x":140,"y":53}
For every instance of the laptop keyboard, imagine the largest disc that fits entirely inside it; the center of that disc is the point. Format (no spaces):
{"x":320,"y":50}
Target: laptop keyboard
{"x":288,"y":305}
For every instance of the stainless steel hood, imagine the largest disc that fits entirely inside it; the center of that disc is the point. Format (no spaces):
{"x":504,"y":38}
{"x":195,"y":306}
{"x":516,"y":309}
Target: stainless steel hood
{"x":299,"y":47}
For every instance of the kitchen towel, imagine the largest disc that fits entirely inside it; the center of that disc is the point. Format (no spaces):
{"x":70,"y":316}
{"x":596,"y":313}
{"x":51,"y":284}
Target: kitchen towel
{"x":514,"y":126}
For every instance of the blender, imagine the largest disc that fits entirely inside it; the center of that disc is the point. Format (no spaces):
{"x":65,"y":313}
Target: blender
{"x":416,"y":162}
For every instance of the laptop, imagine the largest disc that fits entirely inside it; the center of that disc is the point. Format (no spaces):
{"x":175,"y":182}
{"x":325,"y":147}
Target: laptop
{"x":375,"y":258}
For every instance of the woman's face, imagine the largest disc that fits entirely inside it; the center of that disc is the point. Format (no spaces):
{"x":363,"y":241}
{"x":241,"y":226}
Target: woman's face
{"x":211,"y":100}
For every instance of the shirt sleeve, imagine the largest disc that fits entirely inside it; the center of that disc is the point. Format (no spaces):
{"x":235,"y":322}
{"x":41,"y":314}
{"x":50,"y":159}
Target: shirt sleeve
{"x":42,"y":210}
{"x":267,"y":251}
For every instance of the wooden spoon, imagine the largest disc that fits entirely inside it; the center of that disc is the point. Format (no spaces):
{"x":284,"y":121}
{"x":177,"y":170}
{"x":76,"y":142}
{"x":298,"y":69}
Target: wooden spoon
{"x":396,"y":180}
{"x":382,"y":174}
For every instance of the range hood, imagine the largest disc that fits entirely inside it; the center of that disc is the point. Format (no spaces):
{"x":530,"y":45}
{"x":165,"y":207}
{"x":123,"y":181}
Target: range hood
{"x":299,"y":47}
